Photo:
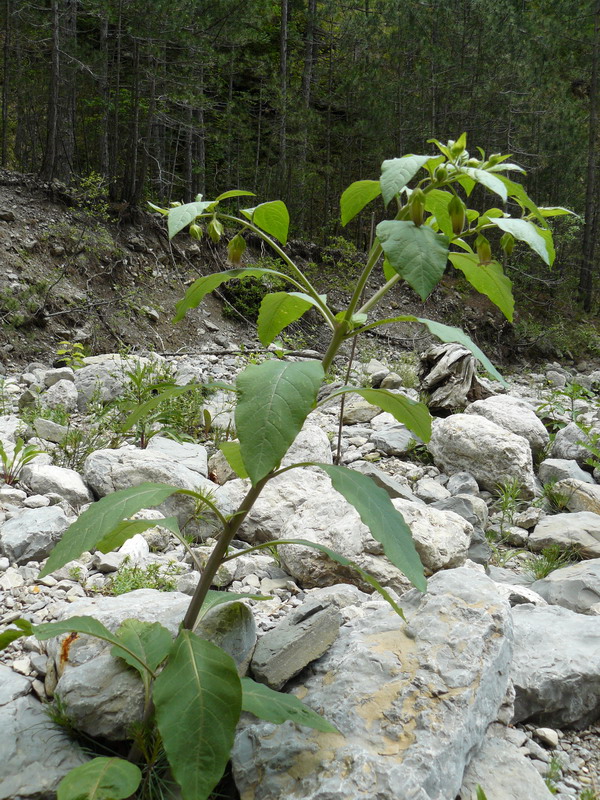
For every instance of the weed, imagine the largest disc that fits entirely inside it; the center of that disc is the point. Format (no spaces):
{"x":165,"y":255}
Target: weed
{"x":71,"y":354}
{"x":589,"y":794}
{"x":78,"y":444}
{"x":553,"y":775}
{"x":419,"y":452}
{"x":154,"y":576}
{"x":38,"y":410}
{"x":561,"y":406}
{"x":509,"y":497}
{"x":13,"y":463}
{"x":551,"y":558}
{"x":556,"y":500}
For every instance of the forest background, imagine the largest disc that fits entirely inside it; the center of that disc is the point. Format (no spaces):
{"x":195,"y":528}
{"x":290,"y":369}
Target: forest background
{"x":295,"y":99}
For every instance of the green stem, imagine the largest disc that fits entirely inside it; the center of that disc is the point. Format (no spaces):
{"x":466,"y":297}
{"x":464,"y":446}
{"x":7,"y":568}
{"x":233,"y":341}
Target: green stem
{"x":372,"y":301}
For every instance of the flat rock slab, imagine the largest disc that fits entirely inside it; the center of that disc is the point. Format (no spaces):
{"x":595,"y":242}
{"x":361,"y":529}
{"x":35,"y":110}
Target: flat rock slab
{"x":556,"y":666}
{"x":580,"y":529}
{"x":32,"y":534}
{"x":576,"y":587}
{"x":411,"y":702}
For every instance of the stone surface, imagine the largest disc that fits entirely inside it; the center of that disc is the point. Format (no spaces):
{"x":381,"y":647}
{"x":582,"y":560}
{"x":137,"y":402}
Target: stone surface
{"x":515,"y":415}
{"x":412,"y":703}
{"x":557,"y":469}
{"x":61,"y":394}
{"x":50,"y":431}
{"x":493,"y":455}
{"x":47,"y":479}
{"x":395,"y":440}
{"x":311,"y":444}
{"x":187,"y":454}
{"x":393,"y":487}
{"x":12,"y":685}
{"x":576,"y":587}
{"x":462,"y":483}
{"x":579,"y":495}
{"x":31,"y":535}
{"x":103,"y":380}
{"x":358,"y":410}
{"x":567,"y":445}
{"x":580,"y":529}
{"x":35,"y":754}
{"x":556,"y":667}
{"x":304,"y":635}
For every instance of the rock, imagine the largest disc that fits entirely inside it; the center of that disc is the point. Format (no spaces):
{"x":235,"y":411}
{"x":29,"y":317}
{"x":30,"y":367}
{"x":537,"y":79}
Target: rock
{"x":136,"y":549}
{"x":32,"y":534}
{"x":515,"y":415}
{"x":493,"y":455}
{"x":12,"y":685}
{"x":11,"y":427}
{"x":566,"y":444}
{"x":430,"y":490}
{"x":35,"y":753}
{"x":62,"y":394}
{"x":529,"y":518}
{"x":381,"y":684}
{"x":462,"y":483}
{"x":52,"y":376}
{"x":358,"y":410}
{"x":219,"y":470}
{"x":448,"y":373}
{"x":576,"y":587}
{"x":579,"y":495}
{"x":555,"y":670}
{"x":467,"y":506}
{"x":311,"y":444}
{"x":103,"y":379}
{"x":304,"y":635}
{"x":232,"y":627}
{"x":393,"y":487}
{"x":187,"y":454}
{"x":547,"y":736}
{"x":556,"y":469}
{"x":504,"y":772}
{"x":48,"y":479}
{"x":395,"y":440}
{"x":580,"y":529}
{"x":50,"y":431}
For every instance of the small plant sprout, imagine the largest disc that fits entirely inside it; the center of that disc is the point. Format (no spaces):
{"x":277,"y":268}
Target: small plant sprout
{"x":13,"y":462}
{"x":71,"y":354}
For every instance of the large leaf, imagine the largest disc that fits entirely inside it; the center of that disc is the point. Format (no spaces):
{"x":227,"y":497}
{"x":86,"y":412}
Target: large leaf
{"x":356,"y":197}
{"x":277,"y":311}
{"x":198,"y":699}
{"x":518,"y":193}
{"x":214,"y":598}
{"x":233,"y":454}
{"x":130,"y":527}
{"x":277,"y":707}
{"x":491,"y":182}
{"x":489,"y":279}
{"x":234,"y":193}
{"x":386,"y":524}
{"x":418,"y":254}
{"x":397,"y":172}
{"x":149,"y":641}
{"x":100,"y":779}
{"x":180,"y":216}
{"x":526,"y":232}
{"x":275,"y":398}
{"x":414,"y":415}
{"x":24,"y":628}
{"x":555,"y":211}
{"x":273,"y":218}
{"x":101,"y":518}
{"x":436,"y":202}
{"x":203,"y":286}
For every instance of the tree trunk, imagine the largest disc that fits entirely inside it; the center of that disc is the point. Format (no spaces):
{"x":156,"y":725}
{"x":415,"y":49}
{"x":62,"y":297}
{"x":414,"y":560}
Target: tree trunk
{"x":6,"y":81}
{"x":283,"y":48}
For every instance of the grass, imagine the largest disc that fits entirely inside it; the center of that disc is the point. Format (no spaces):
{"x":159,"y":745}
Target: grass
{"x":550,"y":559}
{"x":155,"y":576}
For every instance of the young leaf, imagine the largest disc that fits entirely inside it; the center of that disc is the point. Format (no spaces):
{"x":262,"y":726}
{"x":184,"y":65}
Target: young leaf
{"x":386,"y":524}
{"x":356,"y":197}
{"x":436,"y":202}
{"x":100,"y":779}
{"x":277,"y":707}
{"x":203,"y":286}
{"x":234,"y":193}
{"x":273,"y":218}
{"x":277,"y":311}
{"x":144,"y":408}
{"x":198,"y":700}
{"x":181,"y":216}
{"x":101,"y":518}
{"x":150,"y":642}
{"x":163,"y":211}
{"x":275,"y":398}
{"x":526,"y":232}
{"x":418,"y":254}
{"x":397,"y":172}
{"x":414,"y":415}
{"x":232,"y":452}
{"x":125,"y":530}
{"x":491,"y":182}
{"x":236,"y":248}
{"x":555,"y":211}
{"x":489,"y":279}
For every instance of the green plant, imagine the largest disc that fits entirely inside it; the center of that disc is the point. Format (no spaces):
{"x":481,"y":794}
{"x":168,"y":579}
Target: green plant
{"x":551,"y":558}
{"x":562,"y":403}
{"x":553,"y":775}
{"x":507,"y":501}
{"x":555,"y":498}
{"x":37,"y":410}
{"x":192,"y":690}
{"x":13,"y":462}
{"x":589,"y":794}
{"x":71,"y":354}
{"x":130,"y":577}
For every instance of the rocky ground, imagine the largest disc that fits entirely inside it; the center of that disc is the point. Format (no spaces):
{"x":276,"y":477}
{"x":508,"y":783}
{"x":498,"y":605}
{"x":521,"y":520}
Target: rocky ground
{"x":501,"y":682}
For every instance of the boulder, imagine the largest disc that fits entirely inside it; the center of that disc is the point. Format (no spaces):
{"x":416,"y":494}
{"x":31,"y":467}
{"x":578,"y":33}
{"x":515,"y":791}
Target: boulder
{"x":392,"y":486}
{"x":462,"y":483}
{"x":515,"y":415}
{"x":32,"y":534}
{"x":580,"y":529}
{"x":579,"y":495}
{"x":493,"y":455}
{"x":555,"y":669}
{"x":576,"y":587}
{"x":47,"y":479}
{"x":556,"y":469}
{"x":11,"y":427}
{"x":187,"y":454}
{"x":412,"y":703}
{"x":567,"y":443}
{"x":62,"y":394}
{"x":394,"y":440}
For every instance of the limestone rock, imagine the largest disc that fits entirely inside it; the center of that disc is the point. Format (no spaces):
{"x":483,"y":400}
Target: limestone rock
{"x":580,"y":529}
{"x":393,"y":487}
{"x":579,"y":495}
{"x":46,"y":479}
{"x":567,"y":443}
{"x":515,"y":415}
{"x":556,"y":469}
{"x":576,"y":587}
{"x":31,"y":535}
{"x":187,"y":454}
{"x":493,"y":455}
{"x":394,"y":440}
{"x":62,"y":393}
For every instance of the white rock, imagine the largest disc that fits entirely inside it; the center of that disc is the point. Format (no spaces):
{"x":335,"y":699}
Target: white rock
{"x":515,"y":415}
{"x":47,"y":479}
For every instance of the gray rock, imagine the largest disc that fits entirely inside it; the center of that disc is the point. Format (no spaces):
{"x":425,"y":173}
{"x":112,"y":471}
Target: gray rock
{"x":395,"y":440}
{"x":468,"y":506}
{"x":529,"y":518}
{"x":556,"y":669}
{"x":579,"y":495}
{"x":12,"y":685}
{"x":187,"y":454}
{"x":63,"y":393}
{"x":53,"y":376}
{"x":493,"y":455}
{"x":412,"y":703}
{"x":393,"y":487}
{"x":11,"y":427}
{"x":232,"y":627}
{"x":576,"y":587}
{"x":566,"y":444}
{"x":462,"y":483}
{"x":304,"y":635}
{"x":580,"y":529}
{"x":430,"y":490}
{"x":515,"y":415}
{"x":358,"y":410}
{"x":219,"y":469}
{"x":35,"y":753}
{"x":31,"y":535}
{"x":556,"y":469}
{"x":50,"y":431}
{"x":311,"y":444}
{"x":392,"y":381}
{"x":48,"y":479}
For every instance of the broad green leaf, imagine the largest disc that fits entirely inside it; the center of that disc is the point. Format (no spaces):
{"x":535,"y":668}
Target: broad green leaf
{"x":277,"y":707}
{"x":277,"y":311}
{"x":150,"y":642}
{"x":234,"y":193}
{"x":491,"y":182}
{"x":518,"y":193}
{"x":101,"y":518}
{"x":547,"y":236}
{"x":275,"y":398}
{"x":142,"y":411}
{"x":506,"y":167}
{"x":555,"y":211}
{"x":418,"y":255}
{"x":386,"y":524}
{"x":356,"y":197}
{"x":397,"y":172}
{"x":214,"y":598}
{"x":100,"y":779}
{"x":128,"y":528}
{"x":440,"y":146}
{"x":181,"y":216}
{"x":489,"y":279}
{"x":203,"y":286}
{"x":273,"y":218}
{"x":25,"y":628}
{"x":232,"y":452}
{"x":526,"y":232}
{"x":198,"y":699}
{"x":436,"y":202}
{"x":414,"y":415}
{"x":163,"y":211}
